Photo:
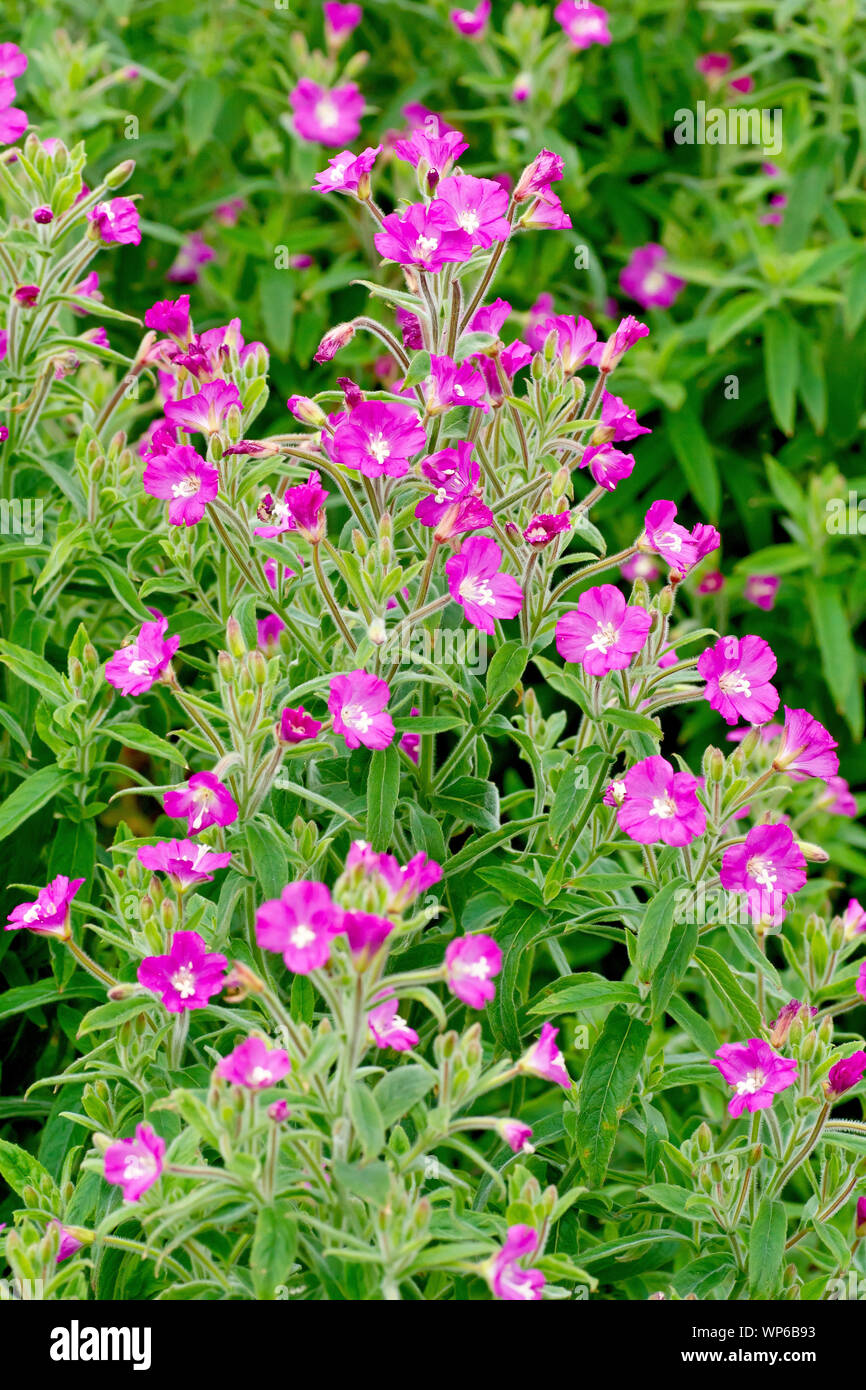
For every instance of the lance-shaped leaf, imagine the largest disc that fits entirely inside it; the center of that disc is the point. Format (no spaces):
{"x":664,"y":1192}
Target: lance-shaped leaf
{"x":606,"y":1088}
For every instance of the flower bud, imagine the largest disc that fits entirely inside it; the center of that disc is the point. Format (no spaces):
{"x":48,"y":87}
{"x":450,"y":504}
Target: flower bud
{"x":235,"y":638}
{"x":812,"y":853}
{"x":716,"y":765}
{"x":704,"y":1137}
{"x":226,"y":668}
{"x":118,"y":176}
{"x":666,"y":600}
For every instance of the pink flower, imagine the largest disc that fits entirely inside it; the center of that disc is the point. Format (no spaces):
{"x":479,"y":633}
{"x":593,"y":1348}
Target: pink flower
{"x":766,"y":867}
{"x":475,"y":583}
{"x":854,"y":919}
{"x":192,"y":253}
{"x":378,"y":438}
{"x":136,"y":667}
{"x":509,"y":1281}
{"x":302,"y":509}
{"x":389,"y":1029}
{"x":743,"y":84}
{"x":544,"y":1059}
{"x":607,"y":465}
{"x":13,"y":123}
{"x":860,"y":1218}
{"x":614,"y":793}
{"x":187,"y":976}
{"x":645,"y":279}
{"x":618,"y":421}
{"x":346,"y":171}
{"x":432,"y":145}
{"x":254,"y":1065}
{"x":860,"y":986}
{"x":471,"y":962}
{"x":331,"y":118}
{"x":837,"y":798}
{"x":639,"y":567}
{"x":335,"y":339}
{"x":575,"y":339}
{"x":714,"y":65}
{"x":681,"y":549}
{"x":42,"y":216}
{"x":204,"y":413}
{"x":184,"y":861}
{"x":340,"y":20}
{"x":401,"y":884}
{"x":516,"y":1135}
{"x":366,"y":933}
{"x":228,"y":213}
{"x":411,"y":743}
{"x":205,"y":801}
{"x":777,"y":201}
{"x":12,"y":61}
{"x":490,"y":318}
{"x":116,"y":221}
{"x":603,"y":632}
{"x":545,"y":169}
{"x":478,"y":207}
{"x":712,"y":582}
{"x":845,"y":1074}
{"x":69,"y":1244}
{"x":738,"y":674}
{"x":451,"y":385}
{"x":806,"y":748}
{"x":471,"y":22}
{"x":544,"y":528}
{"x":628,"y":332}
{"x":761,"y":590}
{"x":296,"y":726}
{"x":584,"y":24}
{"x":185,"y":480}
{"x":546,"y":212}
{"x":134,"y":1164}
{"x":456,"y":506}
{"x":357,"y":703}
{"x":410,"y":330}
{"x":660,"y":805}
{"x":170,"y":316}
{"x":49,"y":914}
{"x":756,"y":1072}
{"x":424,"y":236}
{"x":299,"y":925}
{"x":268,"y":631}
{"x":26,"y":295}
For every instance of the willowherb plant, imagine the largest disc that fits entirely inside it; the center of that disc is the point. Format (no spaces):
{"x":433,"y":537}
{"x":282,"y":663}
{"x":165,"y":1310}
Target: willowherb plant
{"x":333,"y":1073}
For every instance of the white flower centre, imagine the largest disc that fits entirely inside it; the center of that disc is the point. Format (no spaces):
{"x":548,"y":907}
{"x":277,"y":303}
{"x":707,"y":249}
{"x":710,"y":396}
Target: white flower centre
{"x":654,"y":282}
{"x":380,"y":448}
{"x":663,"y":807}
{"x":326,"y":113}
{"x":735,"y":683}
{"x":183,"y":980}
{"x":302,"y":936}
{"x":260,"y":1076}
{"x":754,"y":1081}
{"x":762,"y":871}
{"x":187,"y":487}
{"x":477,"y":591}
{"x":478,"y":970}
{"x":357,"y":718}
{"x":469,"y":221}
{"x":441,"y":495}
{"x":139,"y":667}
{"x":425,"y":246}
{"x":137,"y":1166}
{"x":671,"y":541}
{"x":604,"y":637}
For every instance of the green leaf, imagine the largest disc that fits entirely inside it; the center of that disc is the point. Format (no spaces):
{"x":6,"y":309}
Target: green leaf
{"x":737,"y":314}
{"x":767,"y":1249}
{"x":26,"y":997}
{"x":400,"y":1089}
{"x":606,"y":1088}
{"x":672,"y":966}
{"x":472,"y":800}
{"x":383,"y":788}
{"x":838,"y":654}
{"x":506,"y":668}
{"x":371,"y":1182}
{"x":419,"y":369}
{"x":202,"y":99}
{"x":35,"y":671}
{"x":269,"y":858}
{"x":136,"y":736}
{"x":634,"y":722}
{"x":694,"y":454}
{"x":30,"y":796}
{"x":655,"y":929}
{"x":367,"y":1119}
{"x":728,"y":990}
{"x":782,"y":367}
{"x":584,"y":991}
{"x":20,"y":1169}
{"x":273,"y":1250}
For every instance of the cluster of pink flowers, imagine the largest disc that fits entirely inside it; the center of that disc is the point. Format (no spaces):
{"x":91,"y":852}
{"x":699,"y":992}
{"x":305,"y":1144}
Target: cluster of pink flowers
{"x":13,"y":121}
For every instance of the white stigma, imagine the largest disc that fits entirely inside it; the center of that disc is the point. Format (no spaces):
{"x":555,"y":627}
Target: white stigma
{"x":183,"y":980}
{"x":754,"y":1081}
{"x":477,"y":591}
{"x":663,"y":807}
{"x":302,"y":936}
{"x":357,"y":718}
{"x":604,"y":637}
